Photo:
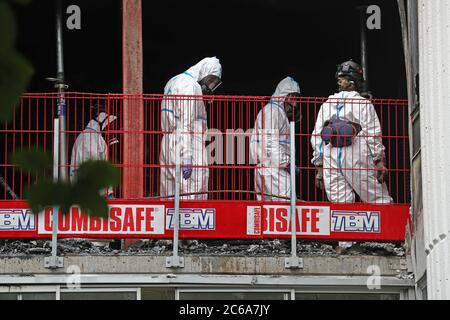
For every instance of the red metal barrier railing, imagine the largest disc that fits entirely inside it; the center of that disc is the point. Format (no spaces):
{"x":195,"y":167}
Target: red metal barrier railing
{"x":231,"y":160}
{"x":239,"y":152}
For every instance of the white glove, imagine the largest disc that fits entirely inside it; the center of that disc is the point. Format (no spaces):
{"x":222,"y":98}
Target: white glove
{"x":381,"y":171}
{"x":319,"y":178}
{"x":113,"y":141}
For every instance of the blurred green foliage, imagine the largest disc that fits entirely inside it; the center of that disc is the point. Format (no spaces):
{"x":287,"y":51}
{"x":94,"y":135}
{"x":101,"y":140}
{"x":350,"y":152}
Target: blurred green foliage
{"x":92,"y":176}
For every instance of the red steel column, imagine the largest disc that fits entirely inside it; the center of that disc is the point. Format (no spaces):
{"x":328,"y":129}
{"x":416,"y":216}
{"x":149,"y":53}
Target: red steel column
{"x":133,"y":116}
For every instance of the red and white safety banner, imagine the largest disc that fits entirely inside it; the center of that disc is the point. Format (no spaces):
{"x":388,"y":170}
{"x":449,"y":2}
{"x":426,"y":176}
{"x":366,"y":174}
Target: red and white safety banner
{"x":212,"y":220}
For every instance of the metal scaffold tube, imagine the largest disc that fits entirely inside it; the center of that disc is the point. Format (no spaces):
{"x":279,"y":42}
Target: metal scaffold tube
{"x":61,"y":86}
{"x":176,"y":261}
{"x":59,"y":141}
{"x":54,"y":261}
{"x":293,"y":262}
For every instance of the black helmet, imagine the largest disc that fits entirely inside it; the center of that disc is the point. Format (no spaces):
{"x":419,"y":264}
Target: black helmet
{"x":351,"y":70}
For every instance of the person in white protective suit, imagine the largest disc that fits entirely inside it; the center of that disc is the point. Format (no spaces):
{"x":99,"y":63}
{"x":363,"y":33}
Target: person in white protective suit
{"x":90,"y":144}
{"x":348,"y":149}
{"x":188,"y":114}
{"x":270,"y":143}
{"x":347,"y":141}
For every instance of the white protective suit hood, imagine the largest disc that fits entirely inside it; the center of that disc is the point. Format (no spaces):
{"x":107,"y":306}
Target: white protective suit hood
{"x":102,"y":116}
{"x":206,"y":67}
{"x":270,"y":147}
{"x":285,"y":87}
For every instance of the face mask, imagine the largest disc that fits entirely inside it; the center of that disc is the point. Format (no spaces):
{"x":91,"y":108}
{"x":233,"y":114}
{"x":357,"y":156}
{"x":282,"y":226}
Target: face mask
{"x":293,"y":113}
{"x":209,"y":84}
{"x":104,"y":120}
{"x":206,"y":90}
{"x":292,"y":109}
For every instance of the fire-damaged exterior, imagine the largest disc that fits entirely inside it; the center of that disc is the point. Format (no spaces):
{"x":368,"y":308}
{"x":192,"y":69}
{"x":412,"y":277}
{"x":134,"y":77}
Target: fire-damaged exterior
{"x":235,"y":245}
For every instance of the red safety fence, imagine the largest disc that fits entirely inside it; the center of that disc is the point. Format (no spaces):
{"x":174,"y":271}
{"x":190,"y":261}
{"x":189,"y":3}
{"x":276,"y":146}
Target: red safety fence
{"x":238,"y":150}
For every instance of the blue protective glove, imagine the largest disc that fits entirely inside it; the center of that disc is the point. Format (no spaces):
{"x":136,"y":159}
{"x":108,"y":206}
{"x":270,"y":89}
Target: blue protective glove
{"x":327,"y":135}
{"x":187,"y":168}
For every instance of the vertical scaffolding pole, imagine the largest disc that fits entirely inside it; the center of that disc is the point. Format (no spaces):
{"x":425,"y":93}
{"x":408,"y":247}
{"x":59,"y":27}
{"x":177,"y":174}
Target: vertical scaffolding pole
{"x":61,"y":96}
{"x":293,"y":262}
{"x":176,"y":261}
{"x":364,"y":52}
{"x":54,"y":261}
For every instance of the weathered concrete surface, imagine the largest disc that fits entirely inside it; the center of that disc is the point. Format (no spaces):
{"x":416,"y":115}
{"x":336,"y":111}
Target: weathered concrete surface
{"x":226,"y":265}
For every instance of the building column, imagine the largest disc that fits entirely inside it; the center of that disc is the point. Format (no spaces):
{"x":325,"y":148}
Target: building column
{"x":133,"y":107}
{"x":434,"y":60}
{"x":133,"y":115}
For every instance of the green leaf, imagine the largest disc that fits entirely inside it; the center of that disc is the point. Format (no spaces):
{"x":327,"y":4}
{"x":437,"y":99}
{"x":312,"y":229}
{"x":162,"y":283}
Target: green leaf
{"x":49,"y":194}
{"x":91,"y":202}
{"x":97,"y":174}
{"x":86,"y":192}
{"x":64,"y":195}
{"x":33,"y":161}
{"x":15,"y":74}
{"x":7,"y":27}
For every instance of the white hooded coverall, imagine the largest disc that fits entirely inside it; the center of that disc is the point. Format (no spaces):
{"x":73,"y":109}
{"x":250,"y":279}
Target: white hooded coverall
{"x":187,"y":113}
{"x":270,"y":146}
{"x":352,"y":168}
{"x":90,"y":145}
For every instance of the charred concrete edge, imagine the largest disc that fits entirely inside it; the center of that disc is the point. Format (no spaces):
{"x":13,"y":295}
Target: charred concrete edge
{"x":183,"y":280}
{"x":436,"y":242}
{"x":146,"y":264}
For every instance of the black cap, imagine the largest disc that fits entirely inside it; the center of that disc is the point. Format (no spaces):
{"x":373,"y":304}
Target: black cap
{"x":351,"y":70}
